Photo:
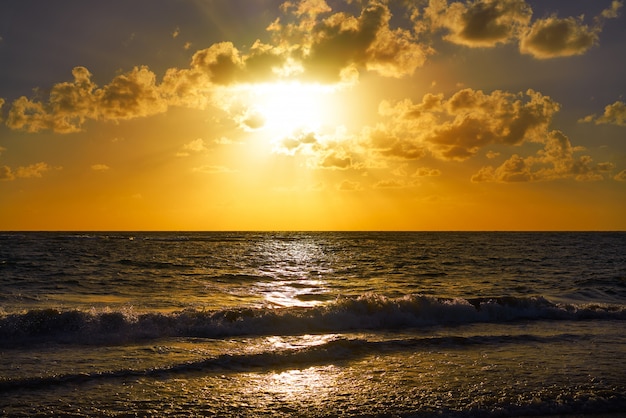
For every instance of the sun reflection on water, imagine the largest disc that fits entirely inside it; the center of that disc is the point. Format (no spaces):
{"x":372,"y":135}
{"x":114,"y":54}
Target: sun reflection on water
{"x":290,"y":385}
{"x":297,"y":384}
{"x":294,"y":269}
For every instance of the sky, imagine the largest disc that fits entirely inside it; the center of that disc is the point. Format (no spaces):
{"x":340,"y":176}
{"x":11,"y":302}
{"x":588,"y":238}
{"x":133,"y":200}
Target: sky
{"x":312,"y":115}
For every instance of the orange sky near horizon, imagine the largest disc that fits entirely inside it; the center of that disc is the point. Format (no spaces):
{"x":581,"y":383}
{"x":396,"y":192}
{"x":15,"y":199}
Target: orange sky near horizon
{"x":313,"y":115}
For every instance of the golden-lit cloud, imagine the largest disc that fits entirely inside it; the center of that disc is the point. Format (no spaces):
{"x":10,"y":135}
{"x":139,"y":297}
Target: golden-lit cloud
{"x":393,"y":143}
{"x":100,"y":167}
{"x":25,"y":172}
{"x":555,"y":37}
{"x":70,"y":104}
{"x":335,"y":160}
{"x":614,"y":114}
{"x":6,"y":173}
{"x":221,"y":63}
{"x":555,"y":161}
{"x":297,"y":141}
{"x":613,"y":11}
{"x":427,"y":172}
{"x":196,"y":145}
{"x":392,"y":184}
{"x":487,"y":23}
{"x":483,"y":23}
{"x":349,"y":186}
{"x":311,"y":42}
{"x":457,"y":128}
{"x":130,"y":95}
{"x":133,"y":94}
{"x":621,"y":176}
{"x":32,"y":171}
{"x":330,"y":47}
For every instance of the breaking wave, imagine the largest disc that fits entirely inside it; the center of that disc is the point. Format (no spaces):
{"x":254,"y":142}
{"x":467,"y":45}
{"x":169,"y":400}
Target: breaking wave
{"x":368,"y":312}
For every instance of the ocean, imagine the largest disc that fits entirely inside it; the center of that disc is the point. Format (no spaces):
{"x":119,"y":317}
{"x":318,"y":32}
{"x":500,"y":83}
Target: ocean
{"x":313,"y":324}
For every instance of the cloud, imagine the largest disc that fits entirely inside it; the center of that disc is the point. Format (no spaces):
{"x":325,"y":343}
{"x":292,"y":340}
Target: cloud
{"x":251,"y":121}
{"x":25,"y":172}
{"x":482,"y":23}
{"x":297,"y":141}
{"x":389,"y":144}
{"x":335,"y":160}
{"x":100,"y":167}
{"x":487,"y":23}
{"x":427,"y":172}
{"x":614,"y":114}
{"x":130,"y":95}
{"x":221,"y":62}
{"x":136,"y":93}
{"x":563,"y":37}
{"x":335,"y":151}
{"x":455,"y":129}
{"x":32,"y":117}
{"x":70,"y":104}
{"x":621,"y":176}
{"x":306,"y":7}
{"x":197,"y":145}
{"x":349,"y":186}
{"x":555,"y":161}
{"x":32,"y":171}
{"x":310,"y":41}
{"x":1,"y":104}
{"x":613,"y":11}
{"x":554,"y":37}
{"x":334,"y":46}
{"x":391,"y":184}
{"x":6,"y":173}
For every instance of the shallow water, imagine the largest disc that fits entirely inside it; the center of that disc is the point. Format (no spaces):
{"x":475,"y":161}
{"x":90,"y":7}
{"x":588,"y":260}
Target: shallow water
{"x":312,"y":324}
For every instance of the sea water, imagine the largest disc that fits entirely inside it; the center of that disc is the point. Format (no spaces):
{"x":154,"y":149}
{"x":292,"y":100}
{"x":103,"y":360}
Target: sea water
{"x":312,"y":324}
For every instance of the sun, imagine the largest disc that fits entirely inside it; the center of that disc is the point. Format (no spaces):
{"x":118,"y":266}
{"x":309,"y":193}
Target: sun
{"x":287,"y":107}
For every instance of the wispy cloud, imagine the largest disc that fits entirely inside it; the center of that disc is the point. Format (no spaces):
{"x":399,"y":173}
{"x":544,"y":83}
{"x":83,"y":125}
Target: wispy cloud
{"x":31,"y":171}
{"x":614,"y":114}
{"x":100,"y":167}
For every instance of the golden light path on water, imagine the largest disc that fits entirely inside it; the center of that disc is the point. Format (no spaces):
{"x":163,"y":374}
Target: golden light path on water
{"x":295,"y":276}
{"x":294,"y":264}
{"x":298,"y":385}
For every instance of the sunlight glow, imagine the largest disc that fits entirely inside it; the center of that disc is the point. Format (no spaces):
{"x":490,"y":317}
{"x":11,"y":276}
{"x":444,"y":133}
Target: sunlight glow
{"x":289,"y":107}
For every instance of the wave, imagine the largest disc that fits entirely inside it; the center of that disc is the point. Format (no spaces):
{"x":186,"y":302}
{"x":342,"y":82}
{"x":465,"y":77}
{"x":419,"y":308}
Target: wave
{"x":367,"y":312}
{"x":333,"y":350}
